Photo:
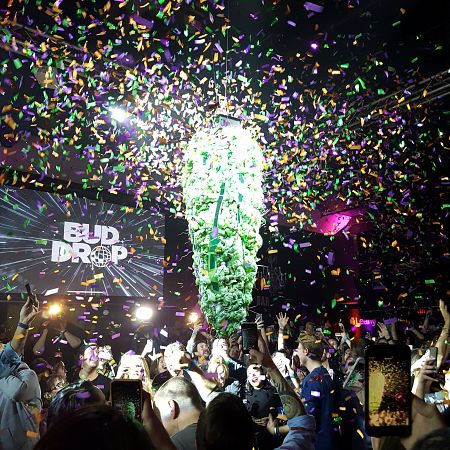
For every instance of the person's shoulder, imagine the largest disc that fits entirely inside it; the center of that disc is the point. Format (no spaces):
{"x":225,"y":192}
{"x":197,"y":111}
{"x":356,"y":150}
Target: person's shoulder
{"x":103,"y":378}
{"x":185,"y":439}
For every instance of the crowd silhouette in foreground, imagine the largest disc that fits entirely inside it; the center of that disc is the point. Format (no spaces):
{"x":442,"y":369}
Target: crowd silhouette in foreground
{"x":293,"y":390}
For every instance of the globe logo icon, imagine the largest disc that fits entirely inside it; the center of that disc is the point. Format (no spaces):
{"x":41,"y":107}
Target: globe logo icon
{"x":100,"y":256}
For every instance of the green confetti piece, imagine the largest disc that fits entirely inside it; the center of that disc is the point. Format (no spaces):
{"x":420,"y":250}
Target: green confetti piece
{"x":41,"y":241}
{"x":429,"y":282}
{"x":17,"y":63}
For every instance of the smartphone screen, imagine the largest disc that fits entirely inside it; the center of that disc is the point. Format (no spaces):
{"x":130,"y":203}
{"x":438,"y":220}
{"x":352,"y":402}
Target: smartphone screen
{"x":388,"y":390}
{"x":249,"y":336}
{"x":433,"y":353}
{"x":126,"y":395}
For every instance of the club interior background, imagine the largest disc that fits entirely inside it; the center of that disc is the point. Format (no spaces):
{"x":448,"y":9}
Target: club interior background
{"x":349,"y":103}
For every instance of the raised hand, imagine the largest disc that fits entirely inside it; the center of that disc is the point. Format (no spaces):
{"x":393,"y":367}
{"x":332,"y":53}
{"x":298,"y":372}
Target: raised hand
{"x":283,"y":320}
{"x":29,"y":311}
{"x":259,"y":323}
{"x":383,"y":329}
{"x":60,"y":325}
{"x":444,"y":311}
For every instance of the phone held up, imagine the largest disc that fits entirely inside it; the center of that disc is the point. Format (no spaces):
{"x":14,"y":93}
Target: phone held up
{"x":31,"y":295}
{"x":388,"y":397}
{"x":249,"y":336}
{"x":126,"y":395}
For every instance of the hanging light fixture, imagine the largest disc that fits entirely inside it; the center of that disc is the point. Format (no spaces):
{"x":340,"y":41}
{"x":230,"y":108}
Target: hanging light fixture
{"x":222,"y":188}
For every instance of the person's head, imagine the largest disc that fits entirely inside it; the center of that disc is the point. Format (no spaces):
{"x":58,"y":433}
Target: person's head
{"x":176,"y":402}
{"x":279,"y":358}
{"x":172,"y":355}
{"x":202,"y":349}
{"x":225,"y":424}
{"x":333,"y":343}
{"x":89,"y":357}
{"x":309,"y":348}
{"x":98,"y":427}
{"x":234,"y":351}
{"x":255,"y":376}
{"x":50,"y":386}
{"x":59,"y":369}
{"x":310,"y":328}
{"x":219,"y":346}
{"x":436,"y":440}
{"x":218,"y":366}
{"x":72,"y":397}
{"x":157,"y":366}
{"x":42,"y":368}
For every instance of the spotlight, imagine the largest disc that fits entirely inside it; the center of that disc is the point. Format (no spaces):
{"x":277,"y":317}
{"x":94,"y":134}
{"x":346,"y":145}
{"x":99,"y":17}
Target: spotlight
{"x":143,"y":313}
{"x":54,"y":309}
{"x":119,"y":115}
{"x":193,"y":317}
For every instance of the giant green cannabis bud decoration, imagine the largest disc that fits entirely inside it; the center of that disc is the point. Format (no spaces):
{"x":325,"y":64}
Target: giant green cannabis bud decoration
{"x":222,"y":188}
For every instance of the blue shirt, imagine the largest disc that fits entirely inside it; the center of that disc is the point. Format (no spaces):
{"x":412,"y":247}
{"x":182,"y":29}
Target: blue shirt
{"x":9,"y":361}
{"x":301,"y":434}
{"x":317,"y":392}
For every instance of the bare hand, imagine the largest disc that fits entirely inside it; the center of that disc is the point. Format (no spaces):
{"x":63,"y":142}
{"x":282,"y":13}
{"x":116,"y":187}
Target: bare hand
{"x":383,"y":329}
{"x":425,"y":419}
{"x":428,"y":370}
{"x":271,"y":424}
{"x":444,"y":311}
{"x":60,"y":325}
{"x":259,"y":323}
{"x":283,"y":320}
{"x":262,"y":355}
{"x":262,"y":422}
{"x":28,"y":311}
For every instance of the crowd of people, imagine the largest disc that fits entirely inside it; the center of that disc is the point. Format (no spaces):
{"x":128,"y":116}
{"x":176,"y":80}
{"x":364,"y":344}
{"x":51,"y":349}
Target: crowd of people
{"x":296,"y":389}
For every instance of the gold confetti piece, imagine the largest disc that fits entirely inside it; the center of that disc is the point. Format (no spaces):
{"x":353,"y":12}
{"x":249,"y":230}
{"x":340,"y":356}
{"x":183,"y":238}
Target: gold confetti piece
{"x":32,"y":434}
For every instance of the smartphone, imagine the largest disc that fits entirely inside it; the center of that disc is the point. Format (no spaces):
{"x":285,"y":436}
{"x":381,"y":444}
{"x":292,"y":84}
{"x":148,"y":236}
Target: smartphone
{"x":31,"y":295}
{"x":357,"y":364}
{"x":388,"y":397}
{"x":126,"y":395}
{"x":433,"y":353}
{"x":249,"y":336}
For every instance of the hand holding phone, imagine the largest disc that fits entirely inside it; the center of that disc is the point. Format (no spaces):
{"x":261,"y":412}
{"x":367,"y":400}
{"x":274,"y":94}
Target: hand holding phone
{"x":126,"y":395}
{"x":32,"y":296}
{"x":387,"y":390}
{"x":249,"y":336}
{"x":433,"y":353}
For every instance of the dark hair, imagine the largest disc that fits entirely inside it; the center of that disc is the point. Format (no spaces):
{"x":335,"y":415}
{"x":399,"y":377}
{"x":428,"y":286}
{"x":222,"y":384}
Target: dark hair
{"x":98,"y":427}
{"x":436,"y":440}
{"x":41,"y":366}
{"x":80,"y":394}
{"x":225,"y":424}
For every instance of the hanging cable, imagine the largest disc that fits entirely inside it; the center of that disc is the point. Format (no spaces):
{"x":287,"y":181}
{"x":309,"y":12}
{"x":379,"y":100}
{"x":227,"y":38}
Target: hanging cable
{"x":226,"y":53}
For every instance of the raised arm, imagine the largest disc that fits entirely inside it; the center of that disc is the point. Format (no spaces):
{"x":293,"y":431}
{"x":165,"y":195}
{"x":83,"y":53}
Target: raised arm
{"x":26,"y":316}
{"x":291,"y":403}
{"x":39,"y":346}
{"x":190,"y":346}
{"x":282,"y":323}
{"x":442,"y":341}
{"x":73,"y":340}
